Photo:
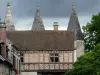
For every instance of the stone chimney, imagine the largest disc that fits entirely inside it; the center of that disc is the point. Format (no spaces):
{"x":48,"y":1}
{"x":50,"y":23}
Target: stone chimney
{"x":3,"y":37}
{"x":55,"y":25}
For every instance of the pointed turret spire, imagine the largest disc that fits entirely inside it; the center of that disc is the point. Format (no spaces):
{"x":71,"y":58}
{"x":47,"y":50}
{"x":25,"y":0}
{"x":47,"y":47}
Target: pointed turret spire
{"x":74,"y":25}
{"x":8,"y":19}
{"x":8,"y":4}
{"x":38,"y":22}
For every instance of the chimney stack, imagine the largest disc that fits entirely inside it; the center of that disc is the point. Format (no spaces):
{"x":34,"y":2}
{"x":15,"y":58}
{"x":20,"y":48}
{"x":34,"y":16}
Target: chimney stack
{"x":3,"y":37}
{"x":56,"y":26}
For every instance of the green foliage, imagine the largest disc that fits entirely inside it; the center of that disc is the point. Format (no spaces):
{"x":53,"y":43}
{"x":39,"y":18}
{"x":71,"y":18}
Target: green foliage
{"x":92,"y":33}
{"x":84,"y":65}
{"x":97,"y":59}
{"x":88,"y":64}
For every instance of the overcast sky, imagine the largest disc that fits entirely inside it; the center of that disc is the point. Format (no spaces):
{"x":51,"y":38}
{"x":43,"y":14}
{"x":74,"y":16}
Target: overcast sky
{"x":23,"y":11}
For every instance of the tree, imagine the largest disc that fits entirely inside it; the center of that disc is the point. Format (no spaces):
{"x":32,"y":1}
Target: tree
{"x":88,"y":64}
{"x":84,"y":65}
{"x":92,"y":33}
{"x":96,"y":63}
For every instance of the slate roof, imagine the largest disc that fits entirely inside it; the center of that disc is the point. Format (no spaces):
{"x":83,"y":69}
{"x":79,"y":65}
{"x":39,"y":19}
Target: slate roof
{"x":74,"y":25}
{"x":42,"y":40}
{"x":38,"y":22}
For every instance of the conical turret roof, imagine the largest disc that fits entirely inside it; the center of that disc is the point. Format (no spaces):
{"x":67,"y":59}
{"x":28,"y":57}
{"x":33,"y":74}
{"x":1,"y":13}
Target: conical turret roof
{"x":38,"y":22}
{"x":74,"y":25}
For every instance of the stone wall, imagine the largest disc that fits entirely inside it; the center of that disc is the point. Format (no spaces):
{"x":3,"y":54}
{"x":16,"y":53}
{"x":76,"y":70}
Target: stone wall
{"x":79,"y":45}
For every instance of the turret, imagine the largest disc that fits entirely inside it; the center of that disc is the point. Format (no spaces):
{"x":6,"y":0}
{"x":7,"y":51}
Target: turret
{"x":74,"y":25}
{"x":8,"y":19}
{"x":38,"y":22}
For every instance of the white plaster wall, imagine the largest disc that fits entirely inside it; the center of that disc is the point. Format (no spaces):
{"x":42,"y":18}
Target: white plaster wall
{"x":9,"y":52}
{"x":28,"y":73}
{"x":61,"y":57}
{"x":17,"y":61}
{"x":4,"y":70}
{"x":79,"y":45}
{"x":31,"y":57}
{"x":13,"y":73}
{"x":66,"y":57}
{"x":41,"y":57}
{"x":75,"y":58}
{"x":36,"y":57}
{"x":70,"y":57}
{"x":44,"y":57}
{"x":1,"y":69}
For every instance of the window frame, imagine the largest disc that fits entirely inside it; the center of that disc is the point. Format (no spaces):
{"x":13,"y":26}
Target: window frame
{"x":53,"y":56}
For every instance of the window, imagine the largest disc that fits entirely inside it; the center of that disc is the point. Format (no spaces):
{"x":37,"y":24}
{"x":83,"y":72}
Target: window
{"x":0,"y":49}
{"x":54,"y":57}
{"x":7,"y":51}
{"x":21,"y":54}
{"x":21,"y":59}
{"x":19,"y":66}
{"x":1,"y":45}
{"x":14,"y":61}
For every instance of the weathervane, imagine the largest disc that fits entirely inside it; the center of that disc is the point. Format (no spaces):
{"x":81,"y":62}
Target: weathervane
{"x":38,"y":3}
{"x":9,"y":1}
{"x":73,"y":3}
